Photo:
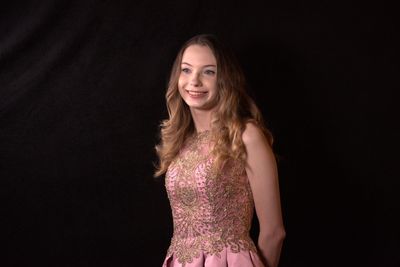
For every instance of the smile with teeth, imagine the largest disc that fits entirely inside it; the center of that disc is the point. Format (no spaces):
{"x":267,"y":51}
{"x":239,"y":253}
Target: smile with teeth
{"x":196,"y":93}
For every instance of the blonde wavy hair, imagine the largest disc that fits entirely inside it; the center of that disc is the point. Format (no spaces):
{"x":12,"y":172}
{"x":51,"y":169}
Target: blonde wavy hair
{"x":234,"y":109}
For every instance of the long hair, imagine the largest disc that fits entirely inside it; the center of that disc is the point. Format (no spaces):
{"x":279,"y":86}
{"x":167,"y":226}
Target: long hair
{"x":234,"y":109}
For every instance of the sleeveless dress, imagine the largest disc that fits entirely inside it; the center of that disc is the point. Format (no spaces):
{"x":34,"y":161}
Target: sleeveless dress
{"x":211,"y":211}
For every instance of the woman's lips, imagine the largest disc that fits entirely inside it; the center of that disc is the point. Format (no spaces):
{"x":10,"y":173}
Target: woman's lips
{"x":196,"y":93}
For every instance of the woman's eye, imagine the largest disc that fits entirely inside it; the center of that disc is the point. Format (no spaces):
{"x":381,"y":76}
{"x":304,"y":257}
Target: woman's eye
{"x":186,"y":70}
{"x":209,"y":72}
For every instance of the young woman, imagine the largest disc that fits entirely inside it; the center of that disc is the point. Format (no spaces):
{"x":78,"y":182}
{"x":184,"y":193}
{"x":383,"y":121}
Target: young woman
{"x":219,"y":164}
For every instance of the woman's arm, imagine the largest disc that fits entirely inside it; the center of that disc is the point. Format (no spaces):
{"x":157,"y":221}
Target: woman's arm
{"x":263,"y":177}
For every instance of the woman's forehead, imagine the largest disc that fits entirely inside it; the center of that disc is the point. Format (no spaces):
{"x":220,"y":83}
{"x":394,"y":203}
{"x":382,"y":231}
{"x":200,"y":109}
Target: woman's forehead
{"x":198,"y":55}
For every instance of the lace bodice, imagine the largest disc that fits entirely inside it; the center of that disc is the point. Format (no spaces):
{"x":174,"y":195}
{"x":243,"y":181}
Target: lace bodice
{"x":211,"y":211}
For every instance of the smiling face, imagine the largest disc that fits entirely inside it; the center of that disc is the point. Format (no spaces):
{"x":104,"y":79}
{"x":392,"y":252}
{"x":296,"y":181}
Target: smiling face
{"x":198,"y":78}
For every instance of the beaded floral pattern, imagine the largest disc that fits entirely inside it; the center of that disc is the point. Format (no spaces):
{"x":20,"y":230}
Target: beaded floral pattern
{"x":211,"y":211}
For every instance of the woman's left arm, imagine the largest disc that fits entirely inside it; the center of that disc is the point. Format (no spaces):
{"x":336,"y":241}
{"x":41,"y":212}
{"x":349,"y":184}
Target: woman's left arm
{"x":262,"y":172}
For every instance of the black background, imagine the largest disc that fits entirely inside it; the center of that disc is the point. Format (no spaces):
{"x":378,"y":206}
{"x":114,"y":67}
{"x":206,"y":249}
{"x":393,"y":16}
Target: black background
{"x":82,"y":93}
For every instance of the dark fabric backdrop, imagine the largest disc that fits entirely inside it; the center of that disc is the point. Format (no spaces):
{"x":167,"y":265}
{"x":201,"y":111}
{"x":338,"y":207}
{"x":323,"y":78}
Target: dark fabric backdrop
{"x":82,"y":93}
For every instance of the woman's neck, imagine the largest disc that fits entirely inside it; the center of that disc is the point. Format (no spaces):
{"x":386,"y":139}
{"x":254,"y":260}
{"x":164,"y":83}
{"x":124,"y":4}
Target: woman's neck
{"x":201,"y":119}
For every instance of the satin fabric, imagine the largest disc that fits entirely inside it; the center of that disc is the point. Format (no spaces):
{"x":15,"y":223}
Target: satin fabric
{"x":226,"y":258}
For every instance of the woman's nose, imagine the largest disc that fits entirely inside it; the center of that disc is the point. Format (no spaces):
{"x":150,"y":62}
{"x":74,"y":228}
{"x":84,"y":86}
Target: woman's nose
{"x":195,"y":80}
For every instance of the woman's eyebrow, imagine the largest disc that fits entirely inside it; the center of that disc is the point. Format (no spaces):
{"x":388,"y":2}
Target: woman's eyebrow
{"x":209,"y":65}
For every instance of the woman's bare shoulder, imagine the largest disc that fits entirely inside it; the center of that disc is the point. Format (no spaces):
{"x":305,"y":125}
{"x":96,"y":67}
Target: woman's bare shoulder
{"x":252,"y":134}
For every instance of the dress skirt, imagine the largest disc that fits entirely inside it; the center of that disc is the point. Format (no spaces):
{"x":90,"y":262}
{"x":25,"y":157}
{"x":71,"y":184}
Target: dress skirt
{"x":226,"y":258}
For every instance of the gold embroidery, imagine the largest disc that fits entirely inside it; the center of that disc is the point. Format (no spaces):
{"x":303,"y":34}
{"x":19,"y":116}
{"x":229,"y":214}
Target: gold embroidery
{"x":210,"y":211}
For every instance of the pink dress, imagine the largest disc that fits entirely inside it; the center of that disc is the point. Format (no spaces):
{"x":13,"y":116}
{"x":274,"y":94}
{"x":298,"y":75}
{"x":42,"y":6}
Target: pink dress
{"x":211,"y":212}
